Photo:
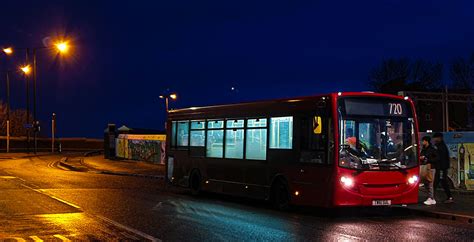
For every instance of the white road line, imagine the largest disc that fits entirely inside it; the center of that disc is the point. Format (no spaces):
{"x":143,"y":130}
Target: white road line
{"x":61,"y":237}
{"x":36,"y":238}
{"x":51,"y":196}
{"x":18,"y":239}
{"x":8,"y":177}
{"x":124,"y":227}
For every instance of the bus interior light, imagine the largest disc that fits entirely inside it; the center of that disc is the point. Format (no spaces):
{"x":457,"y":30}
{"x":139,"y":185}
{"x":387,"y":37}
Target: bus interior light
{"x":413,"y":179}
{"x":297,"y":193}
{"x":347,"y":181}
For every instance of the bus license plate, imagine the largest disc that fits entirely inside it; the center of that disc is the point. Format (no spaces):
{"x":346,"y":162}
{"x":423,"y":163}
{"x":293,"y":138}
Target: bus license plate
{"x":381,"y":202}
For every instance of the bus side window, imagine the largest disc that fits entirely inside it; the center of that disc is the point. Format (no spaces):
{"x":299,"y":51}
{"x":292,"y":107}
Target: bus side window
{"x":197,"y":139}
{"x":183,"y":134}
{"x":313,"y":139}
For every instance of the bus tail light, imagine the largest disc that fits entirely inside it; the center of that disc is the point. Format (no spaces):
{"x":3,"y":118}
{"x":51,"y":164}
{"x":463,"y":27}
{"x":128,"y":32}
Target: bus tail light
{"x":347,"y":181}
{"x":412,"y":180}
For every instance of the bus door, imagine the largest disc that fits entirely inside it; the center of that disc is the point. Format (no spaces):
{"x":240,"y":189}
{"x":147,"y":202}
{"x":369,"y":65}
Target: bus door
{"x":315,"y":157}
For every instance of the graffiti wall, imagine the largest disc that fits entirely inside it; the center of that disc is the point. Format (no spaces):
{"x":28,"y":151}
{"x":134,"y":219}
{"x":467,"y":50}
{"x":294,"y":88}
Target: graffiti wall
{"x":148,"y":148}
{"x":466,"y":160}
{"x":461,"y":153}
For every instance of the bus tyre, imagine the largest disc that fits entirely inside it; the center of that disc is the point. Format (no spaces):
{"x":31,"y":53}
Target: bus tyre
{"x":195,"y":183}
{"x":280,"y":195}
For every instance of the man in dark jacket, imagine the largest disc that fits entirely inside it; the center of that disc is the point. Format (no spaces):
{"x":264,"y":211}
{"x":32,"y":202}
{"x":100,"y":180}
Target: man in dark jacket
{"x":441,"y":174}
{"x":429,"y":155}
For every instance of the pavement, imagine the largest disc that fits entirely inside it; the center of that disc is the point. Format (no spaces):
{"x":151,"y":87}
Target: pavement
{"x":462,"y":209}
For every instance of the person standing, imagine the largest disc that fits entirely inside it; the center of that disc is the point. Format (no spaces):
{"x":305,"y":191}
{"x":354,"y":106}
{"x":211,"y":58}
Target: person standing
{"x":441,"y":174}
{"x":430,"y":158}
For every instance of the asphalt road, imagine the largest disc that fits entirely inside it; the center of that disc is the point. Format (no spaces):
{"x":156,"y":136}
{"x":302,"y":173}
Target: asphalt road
{"x":39,"y":201}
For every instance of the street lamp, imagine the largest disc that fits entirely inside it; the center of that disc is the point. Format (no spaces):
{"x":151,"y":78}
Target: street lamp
{"x":8,"y":50}
{"x":26,"y":69}
{"x":173,"y":96}
{"x":62,"y":47}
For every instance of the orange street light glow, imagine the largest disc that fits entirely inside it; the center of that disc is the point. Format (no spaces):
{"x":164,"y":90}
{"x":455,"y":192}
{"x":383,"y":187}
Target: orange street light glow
{"x":8,"y":50}
{"x":26,"y":69}
{"x":173,"y":96}
{"x":62,"y":47}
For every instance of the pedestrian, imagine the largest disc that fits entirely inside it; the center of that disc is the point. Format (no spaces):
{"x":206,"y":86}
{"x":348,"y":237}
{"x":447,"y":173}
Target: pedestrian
{"x":430,"y":158}
{"x":441,"y":174}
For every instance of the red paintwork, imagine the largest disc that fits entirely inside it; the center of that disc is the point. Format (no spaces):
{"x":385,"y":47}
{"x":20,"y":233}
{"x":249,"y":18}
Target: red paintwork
{"x":383,"y":185}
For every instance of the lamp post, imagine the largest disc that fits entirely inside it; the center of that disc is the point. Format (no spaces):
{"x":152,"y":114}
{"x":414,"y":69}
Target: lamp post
{"x":26,"y":72}
{"x":173,"y":96}
{"x":166,"y":97}
{"x":8,"y":51}
{"x":8,"y":112}
{"x":53,"y":129}
{"x":62,"y":47}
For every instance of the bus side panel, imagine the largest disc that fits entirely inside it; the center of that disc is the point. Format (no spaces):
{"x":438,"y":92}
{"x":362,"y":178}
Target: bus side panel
{"x":181,"y":167}
{"x":311,"y":185}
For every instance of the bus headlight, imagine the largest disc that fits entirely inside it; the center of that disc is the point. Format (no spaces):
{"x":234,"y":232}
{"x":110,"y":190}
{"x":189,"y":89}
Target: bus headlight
{"x":347,"y":181}
{"x":412,"y":180}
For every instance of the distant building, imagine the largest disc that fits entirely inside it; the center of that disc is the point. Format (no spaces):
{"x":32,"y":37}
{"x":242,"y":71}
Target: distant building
{"x":443,"y":111}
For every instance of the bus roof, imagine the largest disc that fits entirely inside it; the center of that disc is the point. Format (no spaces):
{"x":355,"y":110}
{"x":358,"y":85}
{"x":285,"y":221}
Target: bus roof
{"x":273,"y":106}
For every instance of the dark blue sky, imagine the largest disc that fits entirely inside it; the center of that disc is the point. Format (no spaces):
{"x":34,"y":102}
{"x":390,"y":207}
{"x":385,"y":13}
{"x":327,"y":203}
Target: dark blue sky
{"x":128,"y":52}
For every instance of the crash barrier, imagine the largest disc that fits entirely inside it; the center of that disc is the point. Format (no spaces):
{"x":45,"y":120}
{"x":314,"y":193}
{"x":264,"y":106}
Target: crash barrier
{"x":20,"y":144}
{"x":149,"y":148}
{"x":461,"y":153}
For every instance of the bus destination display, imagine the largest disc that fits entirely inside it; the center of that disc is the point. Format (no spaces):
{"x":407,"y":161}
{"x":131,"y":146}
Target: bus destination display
{"x":375,"y":108}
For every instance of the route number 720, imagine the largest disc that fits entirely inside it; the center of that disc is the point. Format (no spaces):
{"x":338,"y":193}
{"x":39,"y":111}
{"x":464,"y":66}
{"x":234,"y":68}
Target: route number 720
{"x":395,"y":109}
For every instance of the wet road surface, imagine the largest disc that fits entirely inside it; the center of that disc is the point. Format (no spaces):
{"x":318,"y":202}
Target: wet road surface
{"x":39,"y":201}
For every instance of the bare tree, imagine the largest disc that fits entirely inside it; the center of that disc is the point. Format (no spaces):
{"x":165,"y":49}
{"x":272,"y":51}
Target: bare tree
{"x":462,"y":74}
{"x":390,"y":76}
{"x":426,"y":75}
{"x":17,"y":121}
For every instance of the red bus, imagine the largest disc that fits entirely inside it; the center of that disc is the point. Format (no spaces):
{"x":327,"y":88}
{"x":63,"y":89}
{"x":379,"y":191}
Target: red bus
{"x":339,"y":149}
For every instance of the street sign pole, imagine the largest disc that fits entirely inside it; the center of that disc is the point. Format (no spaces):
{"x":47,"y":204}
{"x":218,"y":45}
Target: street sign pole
{"x":53,"y":127}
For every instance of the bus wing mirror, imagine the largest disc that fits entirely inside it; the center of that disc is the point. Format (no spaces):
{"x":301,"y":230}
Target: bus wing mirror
{"x":317,"y":125}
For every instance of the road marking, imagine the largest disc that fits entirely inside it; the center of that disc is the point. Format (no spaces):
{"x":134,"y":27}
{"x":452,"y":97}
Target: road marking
{"x":19,"y":239}
{"x":124,"y":227}
{"x":61,"y":237}
{"x":36,"y":238}
{"x":57,"y":198}
{"x":51,"y":196}
{"x":7,"y":177}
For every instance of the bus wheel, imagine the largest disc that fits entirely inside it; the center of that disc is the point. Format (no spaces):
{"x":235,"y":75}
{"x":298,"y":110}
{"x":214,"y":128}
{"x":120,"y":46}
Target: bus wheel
{"x":195,"y":183}
{"x":280,"y":195}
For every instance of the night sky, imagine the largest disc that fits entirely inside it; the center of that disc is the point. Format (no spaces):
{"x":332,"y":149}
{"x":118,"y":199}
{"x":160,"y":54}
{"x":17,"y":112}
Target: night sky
{"x":126,"y":53}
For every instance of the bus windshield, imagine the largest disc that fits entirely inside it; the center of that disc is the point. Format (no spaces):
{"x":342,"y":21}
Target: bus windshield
{"x":377,"y":142}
